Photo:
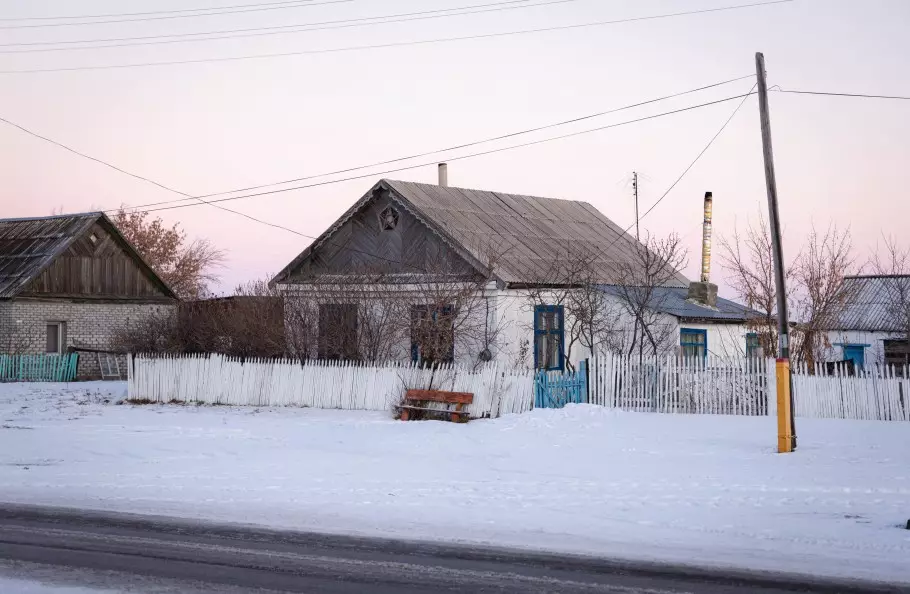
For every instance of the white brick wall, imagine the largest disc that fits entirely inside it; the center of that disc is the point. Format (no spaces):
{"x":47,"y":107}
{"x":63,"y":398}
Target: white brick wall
{"x":23,"y":325}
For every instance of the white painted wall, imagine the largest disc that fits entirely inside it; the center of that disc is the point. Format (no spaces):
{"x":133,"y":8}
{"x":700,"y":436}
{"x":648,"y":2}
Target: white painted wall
{"x":511,"y":317}
{"x":724,"y":340}
{"x":875,"y":352}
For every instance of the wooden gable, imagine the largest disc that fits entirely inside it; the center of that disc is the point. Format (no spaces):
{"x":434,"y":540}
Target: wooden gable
{"x":380,"y":237}
{"x":98,"y":264}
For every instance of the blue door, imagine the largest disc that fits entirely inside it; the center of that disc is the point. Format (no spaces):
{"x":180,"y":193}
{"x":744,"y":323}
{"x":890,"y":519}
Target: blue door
{"x":855,"y":353}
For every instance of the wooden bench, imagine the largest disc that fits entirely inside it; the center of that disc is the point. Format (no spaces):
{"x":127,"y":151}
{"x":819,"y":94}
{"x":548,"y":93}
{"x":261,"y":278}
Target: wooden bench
{"x":415,"y":403}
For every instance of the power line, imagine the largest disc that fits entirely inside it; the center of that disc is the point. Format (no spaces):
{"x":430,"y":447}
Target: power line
{"x":685,"y":171}
{"x":394,"y":44}
{"x":119,"y":14}
{"x":292,"y":29}
{"x":276,"y":28}
{"x":459,"y":146}
{"x":451,"y":159}
{"x":277,"y":226}
{"x":699,"y":156}
{"x":250,"y":8}
{"x":140,"y":177}
{"x":859,"y":95}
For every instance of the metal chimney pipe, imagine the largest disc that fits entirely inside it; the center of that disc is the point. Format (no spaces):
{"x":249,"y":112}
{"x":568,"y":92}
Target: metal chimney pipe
{"x":443,"y":175}
{"x":706,"y":239}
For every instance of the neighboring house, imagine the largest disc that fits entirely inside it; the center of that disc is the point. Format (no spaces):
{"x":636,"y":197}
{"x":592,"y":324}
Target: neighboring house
{"x":873,"y":328}
{"x":704,"y":324}
{"x":70,"y":281}
{"x":404,"y":231}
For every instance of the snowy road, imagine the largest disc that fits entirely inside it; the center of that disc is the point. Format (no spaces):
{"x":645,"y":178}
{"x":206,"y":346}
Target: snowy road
{"x":115,"y":552}
{"x":699,"y":490}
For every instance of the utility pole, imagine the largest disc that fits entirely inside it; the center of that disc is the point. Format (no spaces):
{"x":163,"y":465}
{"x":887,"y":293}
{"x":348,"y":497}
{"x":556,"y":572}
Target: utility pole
{"x":786,"y":426}
{"x":635,"y":193}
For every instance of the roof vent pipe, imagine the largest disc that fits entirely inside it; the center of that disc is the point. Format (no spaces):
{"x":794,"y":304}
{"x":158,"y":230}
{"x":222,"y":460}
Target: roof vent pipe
{"x":703,"y":291}
{"x":706,"y":239}
{"x":443,"y":175}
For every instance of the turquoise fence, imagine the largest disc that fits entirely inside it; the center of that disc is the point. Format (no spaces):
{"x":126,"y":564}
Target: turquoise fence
{"x":553,"y":389}
{"x":38,"y":368}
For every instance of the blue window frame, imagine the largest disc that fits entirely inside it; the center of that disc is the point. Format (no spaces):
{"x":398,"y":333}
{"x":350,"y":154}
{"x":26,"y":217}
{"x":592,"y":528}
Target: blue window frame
{"x":693,"y":343}
{"x":855,"y":353}
{"x":753,"y":346}
{"x":549,"y":338}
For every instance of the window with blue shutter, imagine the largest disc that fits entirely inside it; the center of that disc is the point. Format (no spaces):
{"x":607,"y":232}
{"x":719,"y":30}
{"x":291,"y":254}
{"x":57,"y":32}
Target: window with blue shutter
{"x":693,"y":343}
{"x":549,"y":338}
{"x":753,"y":346}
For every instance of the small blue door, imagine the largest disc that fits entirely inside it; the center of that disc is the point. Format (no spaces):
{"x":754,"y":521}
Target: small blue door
{"x":855,"y":353}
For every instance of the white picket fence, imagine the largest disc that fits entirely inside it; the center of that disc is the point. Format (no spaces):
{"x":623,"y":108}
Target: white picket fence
{"x":714,"y":385}
{"x":215,"y":379}
{"x":673,"y":384}
{"x":874,"y":393}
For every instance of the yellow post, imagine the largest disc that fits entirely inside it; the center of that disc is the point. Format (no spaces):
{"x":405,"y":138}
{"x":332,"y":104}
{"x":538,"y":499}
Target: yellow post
{"x":784,"y":424}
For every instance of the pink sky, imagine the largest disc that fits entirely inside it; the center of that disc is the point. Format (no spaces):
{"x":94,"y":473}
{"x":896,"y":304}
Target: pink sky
{"x":211,"y":127}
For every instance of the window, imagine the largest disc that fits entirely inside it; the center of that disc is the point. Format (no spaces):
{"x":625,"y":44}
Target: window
{"x":693,"y":343}
{"x":897,"y":352}
{"x":432,"y":334}
{"x":549,"y":338}
{"x":56,"y":337}
{"x":338,"y":331}
{"x":753,"y":345}
{"x":855,"y":353}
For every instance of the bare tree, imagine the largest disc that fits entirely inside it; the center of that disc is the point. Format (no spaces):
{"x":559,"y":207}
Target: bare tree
{"x":570,"y":281}
{"x":187,"y":268}
{"x":655,"y":264}
{"x":597,"y":317}
{"x":749,"y":262}
{"x":820,"y":296}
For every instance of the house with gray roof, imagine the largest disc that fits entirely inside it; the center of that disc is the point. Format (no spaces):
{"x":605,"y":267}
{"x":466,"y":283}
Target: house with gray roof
{"x":69,"y":282}
{"x":873,"y":328}
{"x":404,"y":232}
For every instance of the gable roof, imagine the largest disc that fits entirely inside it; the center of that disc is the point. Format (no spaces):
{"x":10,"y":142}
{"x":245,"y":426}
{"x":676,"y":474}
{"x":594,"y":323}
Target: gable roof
{"x":675,"y":301}
{"x":869,"y":303}
{"x":29,"y":245}
{"x":533,"y":232}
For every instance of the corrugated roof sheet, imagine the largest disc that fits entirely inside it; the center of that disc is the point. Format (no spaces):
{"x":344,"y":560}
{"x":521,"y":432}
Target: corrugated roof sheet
{"x":532,"y":231}
{"x":870,"y":303}
{"x":673,"y":301}
{"x":27,"y":246}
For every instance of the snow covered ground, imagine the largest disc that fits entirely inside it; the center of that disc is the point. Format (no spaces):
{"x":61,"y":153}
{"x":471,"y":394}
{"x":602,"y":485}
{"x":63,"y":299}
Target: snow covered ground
{"x":706,"y":490}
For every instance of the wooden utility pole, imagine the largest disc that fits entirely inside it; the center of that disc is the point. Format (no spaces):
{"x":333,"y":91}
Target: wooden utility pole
{"x":635,"y":193}
{"x":786,"y":426}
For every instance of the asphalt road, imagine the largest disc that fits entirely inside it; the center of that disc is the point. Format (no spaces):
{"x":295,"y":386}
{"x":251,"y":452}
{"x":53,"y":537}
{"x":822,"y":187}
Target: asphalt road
{"x":153,"y":554}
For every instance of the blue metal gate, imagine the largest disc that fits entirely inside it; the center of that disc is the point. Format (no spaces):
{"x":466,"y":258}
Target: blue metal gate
{"x":554,"y":389}
{"x":38,"y":368}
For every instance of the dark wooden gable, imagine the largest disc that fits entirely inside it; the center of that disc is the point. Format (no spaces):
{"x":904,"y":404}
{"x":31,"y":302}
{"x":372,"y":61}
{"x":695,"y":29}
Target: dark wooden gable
{"x":381,"y":236}
{"x":98,"y":264}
